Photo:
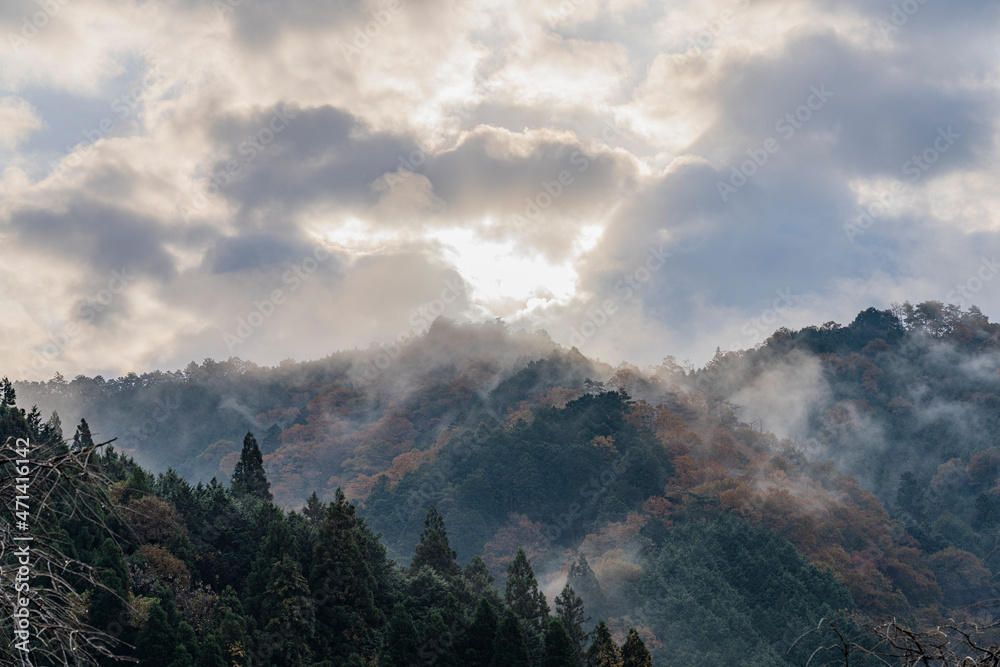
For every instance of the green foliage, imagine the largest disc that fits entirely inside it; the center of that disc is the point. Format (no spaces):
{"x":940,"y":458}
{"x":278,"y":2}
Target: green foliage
{"x":344,"y":583}
{"x":249,"y":479}
{"x":509,"y":648}
{"x":634,"y":652}
{"x":157,"y":641}
{"x":559,"y":650}
{"x":433,"y":549}
{"x":603,"y":652}
{"x":476,"y":647}
{"x":573,"y":616}
{"x":287,"y":612}
{"x":522,"y":595}
{"x":402,"y":644}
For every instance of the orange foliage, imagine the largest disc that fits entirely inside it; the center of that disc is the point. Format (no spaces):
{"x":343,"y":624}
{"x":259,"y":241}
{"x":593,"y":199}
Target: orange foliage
{"x":518,"y":532}
{"x":606,"y":445}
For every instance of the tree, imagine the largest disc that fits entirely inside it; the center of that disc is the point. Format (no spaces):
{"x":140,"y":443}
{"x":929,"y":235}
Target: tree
{"x":559,"y":649}
{"x":343,"y":582}
{"x":275,"y":546}
{"x":476,"y":646}
{"x":288,"y":612}
{"x":433,"y":549}
{"x":402,"y":644}
{"x":509,"y":649}
{"x":522,"y":594}
{"x":634,"y":652}
{"x":314,"y":510}
{"x":210,"y":654}
{"x":570,"y":610}
{"x":82,"y":437}
{"x":910,"y":497}
{"x":603,"y":652}
{"x":585,"y":583}
{"x":249,"y":479}
{"x":108,"y":610}
{"x":156,"y":643}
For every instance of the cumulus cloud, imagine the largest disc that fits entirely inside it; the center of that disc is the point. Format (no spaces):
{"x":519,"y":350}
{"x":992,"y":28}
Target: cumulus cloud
{"x":638,"y":178}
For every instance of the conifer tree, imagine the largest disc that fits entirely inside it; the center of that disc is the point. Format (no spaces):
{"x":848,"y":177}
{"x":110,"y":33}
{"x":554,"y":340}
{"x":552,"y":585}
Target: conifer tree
{"x":82,"y":437}
{"x":479,"y":580}
{"x":157,"y":640}
{"x":234,"y":636}
{"x":603,"y":652}
{"x":509,"y":649}
{"x":108,"y":608}
{"x":287,"y":610}
{"x":522,"y":594}
{"x":433,"y":549}
{"x":275,"y":546}
{"x":585,"y":584}
{"x":314,"y":510}
{"x":439,"y":645}
{"x":634,"y":652}
{"x":570,"y":610}
{"x":559,"y":650}
{"x":249,"y":479}
{"x":402,"y":644}
{"x":210,"y":654}
{"x":343,"y":583}
{"x":476,"y":646}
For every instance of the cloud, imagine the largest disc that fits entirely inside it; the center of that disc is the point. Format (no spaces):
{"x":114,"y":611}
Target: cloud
{"x":541,"y":155}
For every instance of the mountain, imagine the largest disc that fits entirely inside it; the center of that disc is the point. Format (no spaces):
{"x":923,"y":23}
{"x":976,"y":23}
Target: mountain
{"x":826,"y":480}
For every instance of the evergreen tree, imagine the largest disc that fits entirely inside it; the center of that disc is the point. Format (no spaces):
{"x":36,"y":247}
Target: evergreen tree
{"x":234,"y":635}
{"x":210,"y":654}
{"x":187,"y":645}
{"x":603,"y":652}
{"x":987,"y":515}
{"x":634,"y":653}
{"x":272,"y":439}
{"x":522,"y":594}
{"x":439,"y":645}
{"x":585,"y":583}
{"x":182,"y":657}
{"x":8,"y":397}
{"x":570,"y":610}
{"x":156,"y":642}
{"x":108,"y":610}
{"x":433,"y":549}
{"x":509,"y":649}
{"x":314,"y":510}
{"x":275,"y":546}
{"x":82,"y":437}
{"x":476,"y":646}
{"x":343,"y":583}
{"x":910,"y":497}
{"x":559,"y":650}
{"x":402,"y":644}
{"x":249,"y":479}
{"x":288,"y":613}
{"x":479,"y":580}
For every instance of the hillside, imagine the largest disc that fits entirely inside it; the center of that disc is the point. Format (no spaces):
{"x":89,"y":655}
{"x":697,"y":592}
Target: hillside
{"x":836,"y":472}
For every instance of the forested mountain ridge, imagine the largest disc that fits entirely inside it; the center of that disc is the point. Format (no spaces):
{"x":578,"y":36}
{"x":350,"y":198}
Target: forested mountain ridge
{"x":659,"y":494}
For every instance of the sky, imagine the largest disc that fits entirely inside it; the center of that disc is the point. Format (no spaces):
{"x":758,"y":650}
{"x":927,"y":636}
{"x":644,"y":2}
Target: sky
{"x":186,"y":179}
